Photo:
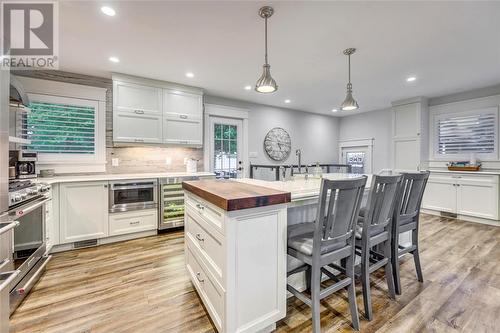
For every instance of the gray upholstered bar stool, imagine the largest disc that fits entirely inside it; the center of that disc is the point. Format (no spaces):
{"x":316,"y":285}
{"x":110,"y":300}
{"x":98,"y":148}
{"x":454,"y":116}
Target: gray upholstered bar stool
{"x":373,"y":235}
{"x":329,"y":238}
{"x":406,"y":218}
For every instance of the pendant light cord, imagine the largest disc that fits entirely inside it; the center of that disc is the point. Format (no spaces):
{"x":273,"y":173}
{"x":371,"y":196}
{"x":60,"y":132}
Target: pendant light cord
{"x":349,"y":62}
{"x":266,"y":39}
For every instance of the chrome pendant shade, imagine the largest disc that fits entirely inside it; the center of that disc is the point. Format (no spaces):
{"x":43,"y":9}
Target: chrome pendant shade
{"x":349,"y":103}
{"x":266,"y":84}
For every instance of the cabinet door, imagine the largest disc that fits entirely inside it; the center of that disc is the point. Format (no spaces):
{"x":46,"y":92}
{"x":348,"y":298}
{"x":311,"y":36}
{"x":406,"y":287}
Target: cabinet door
{"x":84,"y":211}
{"x":477,"y":198}
{"x":133,"y":127}
{"x":406,"y":120}
{"x":130,"y":97}
{"x":406,"y":154}
{"x":182,"y":103}
{"x":440,"y":195}
{"x":182,"y":129}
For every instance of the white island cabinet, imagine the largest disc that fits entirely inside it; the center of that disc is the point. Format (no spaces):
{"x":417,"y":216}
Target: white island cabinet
{"x":236,"y":256}
{"x":83,"y":211}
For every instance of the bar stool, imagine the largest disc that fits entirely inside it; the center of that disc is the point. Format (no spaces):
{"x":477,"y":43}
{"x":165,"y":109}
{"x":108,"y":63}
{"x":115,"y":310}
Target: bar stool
{"x":406,"y":218}
{"x":329,"y":238}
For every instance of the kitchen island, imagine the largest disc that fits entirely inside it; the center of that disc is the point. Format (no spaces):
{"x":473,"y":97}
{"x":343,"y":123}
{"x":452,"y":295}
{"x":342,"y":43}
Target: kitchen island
{"x":236,"y":234}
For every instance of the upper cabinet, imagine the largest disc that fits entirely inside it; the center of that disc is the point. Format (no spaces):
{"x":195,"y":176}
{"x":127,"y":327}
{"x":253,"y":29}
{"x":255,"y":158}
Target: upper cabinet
{"x":409,"y":134}
{"x":156,"y":112}
{"x":182,"y":118}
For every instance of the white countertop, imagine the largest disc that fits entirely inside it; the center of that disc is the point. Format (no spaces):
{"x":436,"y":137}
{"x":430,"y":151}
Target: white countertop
{"x":481,"y":172}
{"x":299,"y":187}
{"x":117,"y":176}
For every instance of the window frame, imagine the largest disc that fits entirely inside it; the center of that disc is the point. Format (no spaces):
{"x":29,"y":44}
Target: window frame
{"x":465,"y":156}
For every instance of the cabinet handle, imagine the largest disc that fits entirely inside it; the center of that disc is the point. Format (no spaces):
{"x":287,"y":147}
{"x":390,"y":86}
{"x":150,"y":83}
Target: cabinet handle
{"x":135,"y":222}
{"x":200,"y":206}
{"x":198,"y":276}
{"x":183,"y":116}
{"x":199,"y":238}
{"x":183,"y":142}
{"x":139,"y":140}
{"x":139,"y":111}
{"x":105,"y":186}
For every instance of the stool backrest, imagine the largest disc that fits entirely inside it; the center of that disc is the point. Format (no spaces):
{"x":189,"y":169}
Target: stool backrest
{"x":381,"y":202}
{"x":338,"y":209}
{"x":410,"y":195}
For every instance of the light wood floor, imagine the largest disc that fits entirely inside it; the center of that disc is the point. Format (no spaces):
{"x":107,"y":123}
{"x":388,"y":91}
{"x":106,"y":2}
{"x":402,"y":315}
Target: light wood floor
{"x":141,"y":286}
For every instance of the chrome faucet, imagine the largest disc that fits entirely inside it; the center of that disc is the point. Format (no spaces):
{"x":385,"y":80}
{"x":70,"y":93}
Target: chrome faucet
{"x":298,"y":153}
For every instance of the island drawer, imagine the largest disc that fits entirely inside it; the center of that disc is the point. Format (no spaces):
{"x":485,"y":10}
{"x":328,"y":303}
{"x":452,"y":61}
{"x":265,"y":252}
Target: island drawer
{"x":212,"y":214}
{"x":135,"y":221}
{"x":207,"y":241}
{"x":207,"y":289}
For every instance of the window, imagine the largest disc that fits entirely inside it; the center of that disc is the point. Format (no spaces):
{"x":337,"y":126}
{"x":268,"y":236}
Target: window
{"x":225,"y":150}
{"x":60,"y":128}
{"x":68,"y":133}
{"x":459,"y":135}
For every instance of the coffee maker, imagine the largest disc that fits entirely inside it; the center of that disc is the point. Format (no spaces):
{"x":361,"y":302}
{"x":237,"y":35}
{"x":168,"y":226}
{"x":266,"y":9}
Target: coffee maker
{"x":24,"y":163}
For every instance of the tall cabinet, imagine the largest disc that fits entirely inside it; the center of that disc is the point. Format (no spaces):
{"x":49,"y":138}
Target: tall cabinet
{"x":156,"y":112}
{"x":410,"y":123}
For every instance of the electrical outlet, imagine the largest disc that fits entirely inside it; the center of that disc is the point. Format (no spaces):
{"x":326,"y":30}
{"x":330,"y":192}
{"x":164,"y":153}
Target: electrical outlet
{"x":168,"y":160}
{"x":253,"y":154}
{"x":115,"y":161}
{"x":185,"y":160}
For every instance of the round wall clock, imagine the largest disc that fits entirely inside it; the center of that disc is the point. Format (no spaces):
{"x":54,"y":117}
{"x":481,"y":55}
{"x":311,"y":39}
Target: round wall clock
{"x":278,"y":144}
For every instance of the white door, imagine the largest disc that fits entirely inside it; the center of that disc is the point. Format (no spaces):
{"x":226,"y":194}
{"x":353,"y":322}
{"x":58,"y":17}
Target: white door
{"x":226,"y":143}
{"x":358,"y":157}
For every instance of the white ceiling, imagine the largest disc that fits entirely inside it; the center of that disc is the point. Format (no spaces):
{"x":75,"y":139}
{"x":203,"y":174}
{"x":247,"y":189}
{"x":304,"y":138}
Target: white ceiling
{"x":448,"y":46}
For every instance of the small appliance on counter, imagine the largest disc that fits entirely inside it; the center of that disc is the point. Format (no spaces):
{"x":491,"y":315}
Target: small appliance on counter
{"x":24,"y":163}
{"x":191,"y":165}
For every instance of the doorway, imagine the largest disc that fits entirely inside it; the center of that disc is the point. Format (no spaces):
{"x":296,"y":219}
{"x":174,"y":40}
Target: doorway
{"x":357,"y":154}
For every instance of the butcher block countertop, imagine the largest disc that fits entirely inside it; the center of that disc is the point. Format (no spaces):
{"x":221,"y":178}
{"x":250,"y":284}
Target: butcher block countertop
{"x":232,"y":195}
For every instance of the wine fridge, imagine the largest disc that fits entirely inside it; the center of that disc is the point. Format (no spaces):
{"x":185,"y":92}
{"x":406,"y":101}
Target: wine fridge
{"x":172,"y":202}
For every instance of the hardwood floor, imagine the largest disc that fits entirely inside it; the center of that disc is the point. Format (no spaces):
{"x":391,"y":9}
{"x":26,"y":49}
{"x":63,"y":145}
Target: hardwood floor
{"x":141,"y":286}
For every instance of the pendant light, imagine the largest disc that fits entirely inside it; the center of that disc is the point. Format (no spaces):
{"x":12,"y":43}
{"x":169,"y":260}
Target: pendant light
{"x":266,"y":83}
{"x":349,"y":103}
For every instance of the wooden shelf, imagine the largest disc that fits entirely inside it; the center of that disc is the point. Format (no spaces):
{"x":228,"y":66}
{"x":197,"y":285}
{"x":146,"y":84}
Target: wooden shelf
{"x":13,"y":139}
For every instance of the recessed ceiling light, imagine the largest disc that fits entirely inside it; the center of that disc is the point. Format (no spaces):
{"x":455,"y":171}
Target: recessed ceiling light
{"x":189,"y":75}
{"x":108,"y":11}
{"x":248,"y":87}
{"x":411,"y":79}
{"x":334,"y":110}
{"x":287,"y":101}
{"x":114,"y":59}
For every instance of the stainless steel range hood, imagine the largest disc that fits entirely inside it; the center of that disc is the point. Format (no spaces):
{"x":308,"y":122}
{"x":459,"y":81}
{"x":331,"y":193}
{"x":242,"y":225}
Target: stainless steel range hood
{"x":18,"y":96}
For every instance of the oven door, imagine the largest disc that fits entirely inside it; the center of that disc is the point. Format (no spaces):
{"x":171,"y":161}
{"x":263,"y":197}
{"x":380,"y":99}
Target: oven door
{"x":29,"y":235}
{"x":132,"y":196}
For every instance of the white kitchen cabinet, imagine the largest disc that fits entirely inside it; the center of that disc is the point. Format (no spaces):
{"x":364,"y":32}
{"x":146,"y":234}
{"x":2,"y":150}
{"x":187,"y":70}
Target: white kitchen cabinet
{"x":137,"y":128}
{"x":182,"y":118}
{"x":466,"y":195}
{"x":409,"y":134}
{"x":131,"y":97}
{"x":83,"y":211}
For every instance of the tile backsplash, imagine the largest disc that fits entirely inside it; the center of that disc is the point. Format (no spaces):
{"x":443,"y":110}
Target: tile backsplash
{"x":151,"y":159}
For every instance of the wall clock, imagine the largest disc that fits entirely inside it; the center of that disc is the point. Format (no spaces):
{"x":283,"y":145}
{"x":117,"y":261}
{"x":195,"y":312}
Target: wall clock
{"x":278,"y":144}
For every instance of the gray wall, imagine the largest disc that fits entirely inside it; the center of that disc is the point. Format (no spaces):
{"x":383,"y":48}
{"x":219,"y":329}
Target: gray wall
{"x":367,"y":125}
{"x":316,"y":135}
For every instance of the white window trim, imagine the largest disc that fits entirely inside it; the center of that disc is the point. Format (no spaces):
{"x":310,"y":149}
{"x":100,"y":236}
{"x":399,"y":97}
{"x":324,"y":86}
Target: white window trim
{"x":455,"y":157}
{"x":358,"y":143}
{"x":61,"y":92}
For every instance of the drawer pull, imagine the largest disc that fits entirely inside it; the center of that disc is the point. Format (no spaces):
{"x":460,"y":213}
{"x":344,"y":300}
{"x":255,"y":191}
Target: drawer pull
{"x":139,"y":111}
{"x":183,"y":116}
{"x":135,"y":222}
{"x":199,"y":206}
{"x":198,"y":276}
{"x":198,"y":237}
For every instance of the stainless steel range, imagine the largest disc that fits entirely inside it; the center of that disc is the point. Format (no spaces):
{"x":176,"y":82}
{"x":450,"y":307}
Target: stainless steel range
{"x":27,"y":200}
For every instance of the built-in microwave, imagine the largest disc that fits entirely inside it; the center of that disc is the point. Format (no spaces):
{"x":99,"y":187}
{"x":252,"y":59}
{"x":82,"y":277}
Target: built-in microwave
{"x":133,"y":195}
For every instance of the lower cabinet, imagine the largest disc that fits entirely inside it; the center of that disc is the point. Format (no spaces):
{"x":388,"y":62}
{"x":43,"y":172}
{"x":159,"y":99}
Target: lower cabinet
{"x":83,"y":211}
{"x":237,"y":263}
{"x":135,"y":221}
{"x":463,"y":194}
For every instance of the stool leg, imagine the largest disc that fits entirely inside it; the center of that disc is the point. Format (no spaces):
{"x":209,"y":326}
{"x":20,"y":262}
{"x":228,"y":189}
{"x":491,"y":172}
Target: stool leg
{"x":315,"y":300}
{"x":351,"y":290}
